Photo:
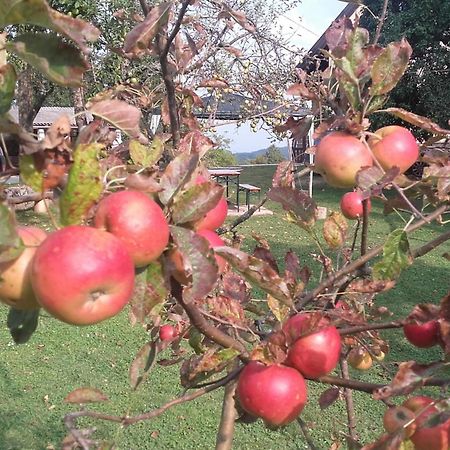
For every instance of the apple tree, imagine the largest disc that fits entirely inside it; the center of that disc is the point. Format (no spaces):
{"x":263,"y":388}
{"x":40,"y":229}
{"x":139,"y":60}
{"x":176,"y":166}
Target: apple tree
{"x":150,"y":230}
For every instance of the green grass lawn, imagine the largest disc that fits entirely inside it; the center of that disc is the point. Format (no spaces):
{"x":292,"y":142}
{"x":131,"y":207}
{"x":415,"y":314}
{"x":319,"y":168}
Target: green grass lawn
{"x":35,"y":377}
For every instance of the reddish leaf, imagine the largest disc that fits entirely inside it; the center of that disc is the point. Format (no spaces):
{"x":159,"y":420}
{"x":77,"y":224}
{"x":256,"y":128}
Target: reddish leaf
{"x":238,"y":16}
{"x":328,"y":397}
{"x":390,"y":66}
{"x":257,"y":271}
{"x":144,"y":183}
{"x":301,"y":206}
{"x":195,"y":142}
{"x":300,"y":90}
{"x":214,"y":83}
{"x":409,"y":376}
{"x":122,"y":115}
{"x":419,"y":121}
{"x":177,"y":173}
{"x":338,"y":35}
{"x":423,"y":313}
{"x":335,"y":230}
{"x":86,"y":395}
{"x":266,"y":255}
{"x":271,"y":351}
{"x":284,"y":175}
{"x":235,"y":287}
{"x":299,"y":128}
{"x":138,"y":40}
{"x":233,"y":50}
{"x":200,"y":259}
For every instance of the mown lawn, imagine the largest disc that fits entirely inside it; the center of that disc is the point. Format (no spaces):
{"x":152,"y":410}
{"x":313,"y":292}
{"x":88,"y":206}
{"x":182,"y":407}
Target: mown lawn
{"x":35,"y":377}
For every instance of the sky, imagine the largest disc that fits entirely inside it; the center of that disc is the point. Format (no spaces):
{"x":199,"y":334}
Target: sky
{"x":304,"y":25}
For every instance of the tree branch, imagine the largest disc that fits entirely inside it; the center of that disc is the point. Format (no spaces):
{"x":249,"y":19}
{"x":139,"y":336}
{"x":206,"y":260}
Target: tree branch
{"x":176,"y":28}
{"x":418,"y":252}
{"x":381,"y":22}
{"x":350,"y":268}
{"x":210,"y":331}
{"x":70,"y":419}
{"x":224,"y":438}
{"x":243,"y":217}
{"x":349,"y":405}
{"x":370,"y":327}
{"x":305,"y":431}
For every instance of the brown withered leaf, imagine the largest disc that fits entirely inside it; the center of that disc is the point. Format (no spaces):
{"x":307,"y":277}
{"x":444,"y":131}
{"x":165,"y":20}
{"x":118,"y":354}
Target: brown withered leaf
{"x":410,"y":375}
{"x":141,"y":182}
{"x":372,"y":180}
{"x":328,"y":397}
{"x":266,"y":255}
{"x":370,"y":286}
{"x":279,"y":310}
{"x":271,"y":351}
{"x":300,"y":90}
{"x":335,"y":230}
{"x":199,"y":368}
{"x":257,"y":271}
{"x":284,"y":175}
{"x":423,"y":312}
{"x":238,"y":16}
{"x":234,"y":286}
{"x":86,"y":395}
{"x":214,"y":83}
{"x":138,"y":40}
{"x":56,"y":135}
{"x":227,"y":308}
{"x":419,"y":121}
{"x":299,"y":128}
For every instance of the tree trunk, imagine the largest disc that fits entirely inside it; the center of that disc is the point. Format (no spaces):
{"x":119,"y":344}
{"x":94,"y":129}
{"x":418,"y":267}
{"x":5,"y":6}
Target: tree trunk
{"x":25,"y":99}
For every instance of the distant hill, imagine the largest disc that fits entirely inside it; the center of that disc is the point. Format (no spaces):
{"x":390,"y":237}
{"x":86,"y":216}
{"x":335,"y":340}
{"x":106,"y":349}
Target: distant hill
{"x":243,"y":157}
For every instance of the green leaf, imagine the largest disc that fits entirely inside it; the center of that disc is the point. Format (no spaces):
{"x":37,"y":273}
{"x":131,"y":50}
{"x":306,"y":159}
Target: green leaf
{"x":396,"y":257}
{"x":8,"y":79}
{"x":22,"y":324}
{"x":194,"y":203}
{"x":144,"y":155}
{"x":37,"y":12}
{"x":58,"y":61}
{"x":11,"y":246}
{"x":29,"y":173}
{"x":389,"y":67}
{"x":150,"y":294}
{"x":84,"y":186}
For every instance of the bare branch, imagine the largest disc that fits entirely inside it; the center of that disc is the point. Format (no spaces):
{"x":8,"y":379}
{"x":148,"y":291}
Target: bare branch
{"x":381,"y":22}
{"x":224,"y":439}
{"x":350,"y":407}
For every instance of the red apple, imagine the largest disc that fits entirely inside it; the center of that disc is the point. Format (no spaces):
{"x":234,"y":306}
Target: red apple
{"x":338,"y":158}
{"x":422,"y":335}
{"x":429,"y":437}
{"x":275,"y":393}
{"x":419,"y":403}
{"x":82,"y":275}
{"x":359,"y":358}
{"x":167,"y":332}
{"x":352,"y":205}
{"x":394,"y":146}
{"x":397,"y":417}
{"x":137,"y":221}
{"x":316,"y":354}
{"x":15,"y":283}
{"x":214,"y":217}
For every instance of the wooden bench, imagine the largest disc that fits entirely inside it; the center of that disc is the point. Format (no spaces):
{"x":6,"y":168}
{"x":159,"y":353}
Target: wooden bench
{"x":248,"y":189}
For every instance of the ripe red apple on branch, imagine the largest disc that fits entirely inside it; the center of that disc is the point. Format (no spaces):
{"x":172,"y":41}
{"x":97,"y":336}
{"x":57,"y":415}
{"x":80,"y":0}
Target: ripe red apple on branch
{"x":352,"y":205}
{"x":339,"y":156}
{"x":82,"y":275}
{"x":397,"y":417}
{"x":422,"y":335}
{"x":137,"y":221}
{"x":167,"y":332}
{"x":314,"y":353}
{"x":275,"y":393}
{"x":394,"y":146}
{"x":15,"y":282}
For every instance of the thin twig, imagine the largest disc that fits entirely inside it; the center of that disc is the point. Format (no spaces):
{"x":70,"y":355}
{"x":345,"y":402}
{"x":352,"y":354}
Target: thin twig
{"x":418,"y":252}
{"x":381,"y":22}
{"x":349,"y":405}
{"x":176,"y":28}
{"x":369,"y":327}
{"x":243,"y":217}
{"x":305,"y":431}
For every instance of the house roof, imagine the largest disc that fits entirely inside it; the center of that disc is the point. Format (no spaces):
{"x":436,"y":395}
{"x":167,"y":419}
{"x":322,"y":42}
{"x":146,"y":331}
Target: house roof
{"x":321,"y":43}
{"x":235,"y":106}
{"x":48,"y":114}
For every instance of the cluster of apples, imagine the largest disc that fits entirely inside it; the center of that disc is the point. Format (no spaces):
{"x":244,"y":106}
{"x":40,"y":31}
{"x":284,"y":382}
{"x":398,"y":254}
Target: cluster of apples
{"x":339,"y":157}
{"x":277,"y":393}
{"x":415,"y":417}
{"x":85,"y":274}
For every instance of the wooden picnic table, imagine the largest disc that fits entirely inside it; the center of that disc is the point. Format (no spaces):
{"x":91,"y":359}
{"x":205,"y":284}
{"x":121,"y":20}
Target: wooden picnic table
{"x":227,"y":176}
